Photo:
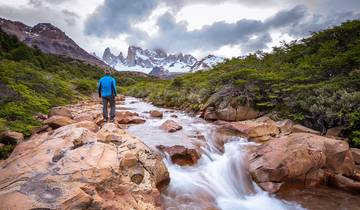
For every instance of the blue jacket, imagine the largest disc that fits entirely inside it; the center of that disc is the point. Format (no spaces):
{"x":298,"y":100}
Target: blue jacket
{"x":107,"y":86}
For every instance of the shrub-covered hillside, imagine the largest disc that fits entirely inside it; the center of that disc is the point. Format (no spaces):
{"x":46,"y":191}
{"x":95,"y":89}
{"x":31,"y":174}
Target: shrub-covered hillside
{"x":315,"y":81}
{"x":31,"y":82}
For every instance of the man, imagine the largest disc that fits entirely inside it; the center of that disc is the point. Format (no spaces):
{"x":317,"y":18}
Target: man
{"x":107,"y":91}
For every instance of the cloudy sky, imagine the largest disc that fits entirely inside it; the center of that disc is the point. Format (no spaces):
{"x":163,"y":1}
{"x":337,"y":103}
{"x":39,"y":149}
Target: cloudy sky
{"x":221,"y":27}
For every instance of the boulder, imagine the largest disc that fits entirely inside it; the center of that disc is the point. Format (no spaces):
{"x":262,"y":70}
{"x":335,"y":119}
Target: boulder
{"x":344,"y":183}
{"x":90,"y":125}
{"x":297,"y":128}
{"x":58,"y":121}
{"x":156,"y":113}
{"x":209,"y":114}
{"x":41,"y":129}
{"x":170,"y":126}
{"x":11,"y":137}
{"x":336,"y":131}
{"x":60,"y":111}
{"x":84,"y":117}
{"x":299,"y":156}
{"x":254,"y":130}
{"x":68,"y":168}
{"x":180,"y":155}
{"x":127,"y":117}
{"x":120,"y":98}
{"x":285,"y":126}
{"x":356,"y":155}
{"x":230,"y":113}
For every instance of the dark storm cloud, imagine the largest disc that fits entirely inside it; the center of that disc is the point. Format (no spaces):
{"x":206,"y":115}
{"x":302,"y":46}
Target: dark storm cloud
{"x":117,"y":16}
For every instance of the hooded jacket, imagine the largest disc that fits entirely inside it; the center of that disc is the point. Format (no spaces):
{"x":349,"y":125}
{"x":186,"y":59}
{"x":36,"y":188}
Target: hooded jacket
{"x":107,"y":86}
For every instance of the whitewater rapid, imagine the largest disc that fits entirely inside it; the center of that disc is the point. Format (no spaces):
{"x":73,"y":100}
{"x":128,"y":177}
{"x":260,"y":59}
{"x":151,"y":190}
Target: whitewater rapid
{"x":219,"y":180}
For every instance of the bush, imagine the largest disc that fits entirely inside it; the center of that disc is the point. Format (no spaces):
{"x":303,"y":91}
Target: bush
{"x":314,"y":81}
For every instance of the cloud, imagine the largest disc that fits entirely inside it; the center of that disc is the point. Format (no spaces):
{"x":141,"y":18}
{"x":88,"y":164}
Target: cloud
{"x":35,"y":3}
{"x":174,"y":36}
{"x":70,"y":17}
{"x":65,"y":20}
{"x":117,"y":16}
{"x":39,"y":3}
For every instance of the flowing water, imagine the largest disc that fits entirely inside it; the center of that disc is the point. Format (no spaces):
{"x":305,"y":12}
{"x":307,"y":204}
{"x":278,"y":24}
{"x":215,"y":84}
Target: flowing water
{"x":220,"y":179}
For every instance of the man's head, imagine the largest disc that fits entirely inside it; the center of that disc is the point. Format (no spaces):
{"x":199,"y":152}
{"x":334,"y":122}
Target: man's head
{"x":107,"y":71}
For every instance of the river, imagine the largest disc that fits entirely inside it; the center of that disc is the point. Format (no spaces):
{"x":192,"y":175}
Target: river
{"x":220,"y":179}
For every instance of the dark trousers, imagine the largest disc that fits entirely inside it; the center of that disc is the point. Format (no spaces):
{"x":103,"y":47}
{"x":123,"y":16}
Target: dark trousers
{"x":105,"y":101}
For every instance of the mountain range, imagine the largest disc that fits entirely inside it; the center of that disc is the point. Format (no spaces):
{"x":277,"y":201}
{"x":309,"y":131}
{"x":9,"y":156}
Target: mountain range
{"x":158,"y":62}
{"x":49,"y":39}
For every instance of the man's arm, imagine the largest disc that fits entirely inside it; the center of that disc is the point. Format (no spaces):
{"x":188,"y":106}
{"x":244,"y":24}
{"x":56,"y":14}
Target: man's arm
{"x":99,"y":88}
{"x":114,"y":86}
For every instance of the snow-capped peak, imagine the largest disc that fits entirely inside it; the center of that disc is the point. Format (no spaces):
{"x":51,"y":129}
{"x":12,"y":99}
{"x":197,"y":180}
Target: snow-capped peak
{"x":138,"y":59}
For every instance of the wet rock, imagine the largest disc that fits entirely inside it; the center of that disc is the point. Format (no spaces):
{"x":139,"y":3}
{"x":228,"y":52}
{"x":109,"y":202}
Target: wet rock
{"x":297,"y":128}
{"x":156,"y":113}
{"x":299,"y":156}
{"x":315,"y":178}
{"x":271,"y":187}
{"x":255,"y":130}
{"x":180,"y":155}
{"x":58,"y":121}
{"x":356,"y":155}
{"x":174,"y":116}
{"x":120,"y":98}
{"x":127,"y":117}
{"x":210,"y":114}
{"x":60,"y":111}
{"x":335,"y":132}
{"x":11,"y":137}
{"x":222,"y":136}
{"x":344,"y":183}
{"x":230,"y":113}
{"x":170,"y":126}
{"x":136,"y":120}
{"x":285,"y":126}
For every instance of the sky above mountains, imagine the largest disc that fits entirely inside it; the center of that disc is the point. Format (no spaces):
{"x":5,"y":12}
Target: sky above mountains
{"x":221,"y":27}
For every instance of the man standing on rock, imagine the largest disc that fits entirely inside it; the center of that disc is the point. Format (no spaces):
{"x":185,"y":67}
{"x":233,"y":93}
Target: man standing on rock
{"x":107,"y":91}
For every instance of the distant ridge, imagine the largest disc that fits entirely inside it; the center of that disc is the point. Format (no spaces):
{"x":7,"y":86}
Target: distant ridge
{"x":49,"y":39}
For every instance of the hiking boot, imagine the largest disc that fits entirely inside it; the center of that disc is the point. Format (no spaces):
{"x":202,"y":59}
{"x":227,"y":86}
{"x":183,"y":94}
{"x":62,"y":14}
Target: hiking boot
{"x":105,"y":120}
{"x":112,"y":120}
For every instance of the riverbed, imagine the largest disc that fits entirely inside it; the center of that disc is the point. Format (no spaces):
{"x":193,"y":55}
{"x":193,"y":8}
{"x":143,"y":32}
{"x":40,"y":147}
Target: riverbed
{"x":220,"y":179}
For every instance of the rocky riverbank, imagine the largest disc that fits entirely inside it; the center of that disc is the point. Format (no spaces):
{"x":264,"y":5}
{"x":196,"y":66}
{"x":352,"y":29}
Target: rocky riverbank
{"x":75,"y":162}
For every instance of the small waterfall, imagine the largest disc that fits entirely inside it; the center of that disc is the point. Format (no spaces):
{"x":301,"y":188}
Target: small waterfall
{"x":219,"y":181}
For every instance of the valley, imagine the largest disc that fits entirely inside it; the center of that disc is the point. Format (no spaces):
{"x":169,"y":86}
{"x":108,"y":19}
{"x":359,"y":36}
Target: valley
{"x":278,"y":130}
